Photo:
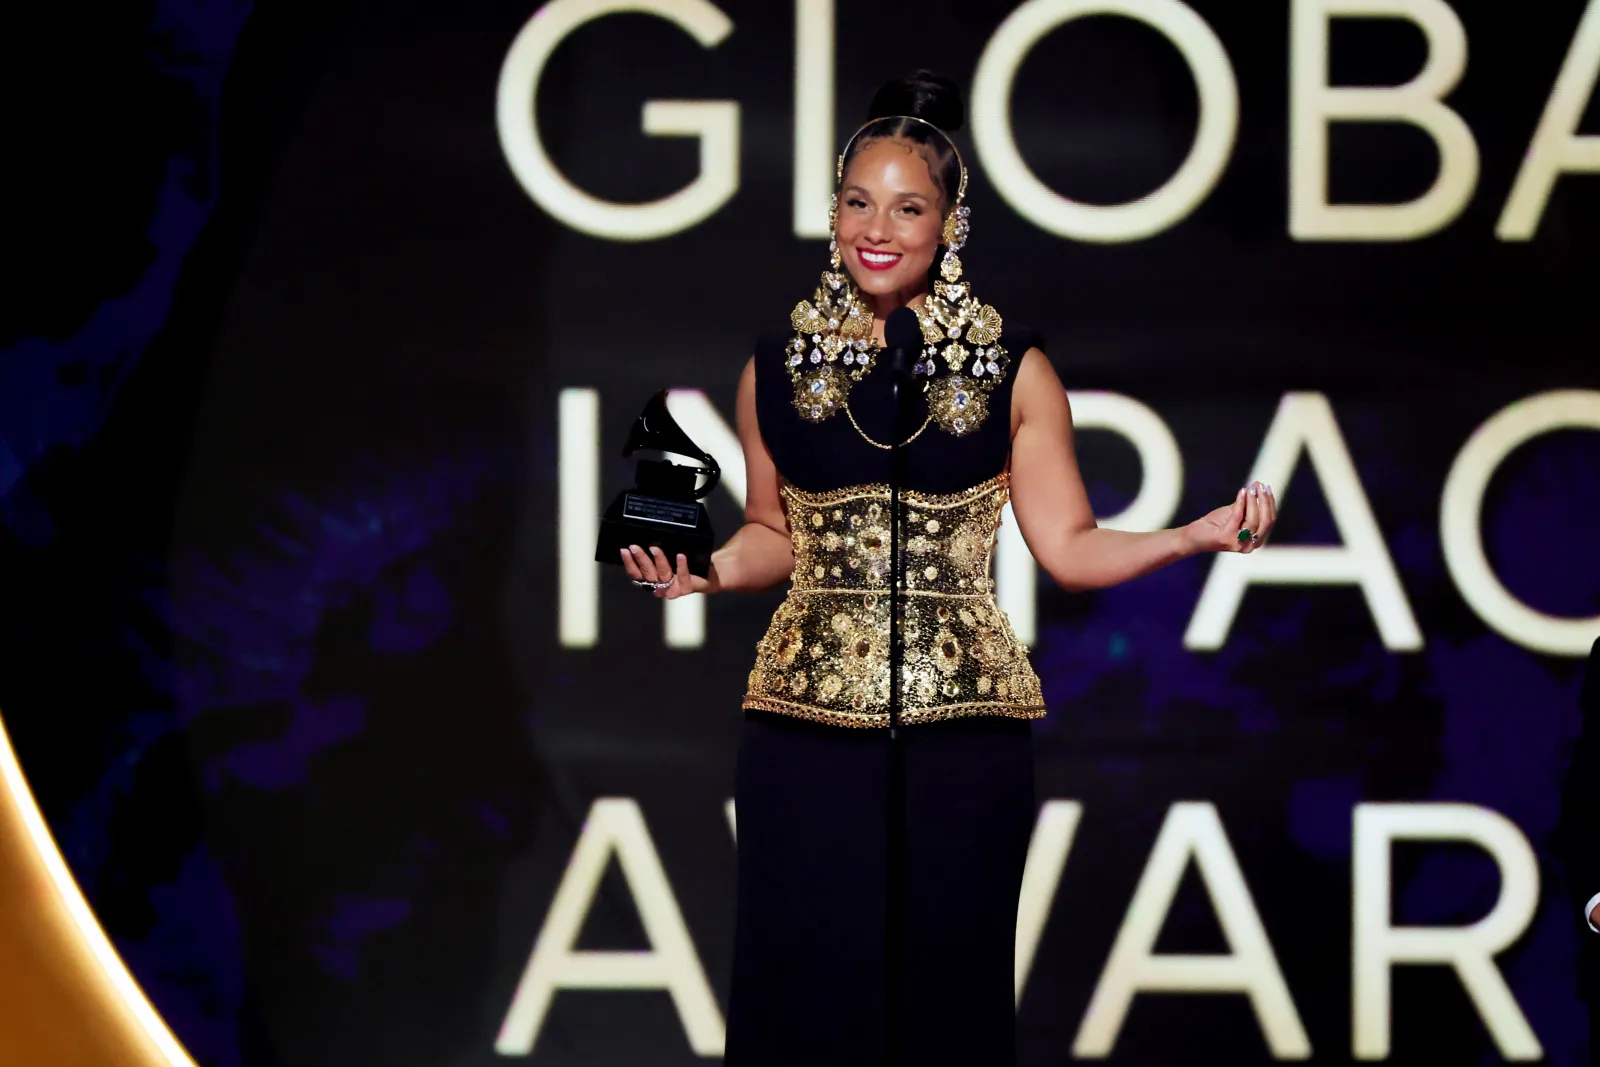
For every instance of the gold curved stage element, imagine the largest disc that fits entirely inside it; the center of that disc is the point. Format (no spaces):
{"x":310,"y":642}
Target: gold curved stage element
{"x":66,"y":998}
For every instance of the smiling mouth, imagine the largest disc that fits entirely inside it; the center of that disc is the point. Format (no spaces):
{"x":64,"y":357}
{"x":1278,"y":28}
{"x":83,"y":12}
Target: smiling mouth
{"x":877,"y":260}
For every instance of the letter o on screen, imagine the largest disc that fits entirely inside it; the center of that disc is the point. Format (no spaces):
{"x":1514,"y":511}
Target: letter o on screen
{"x":1461,"y":508}
{"x":714,"y":122}
{"x":1167,"y":206}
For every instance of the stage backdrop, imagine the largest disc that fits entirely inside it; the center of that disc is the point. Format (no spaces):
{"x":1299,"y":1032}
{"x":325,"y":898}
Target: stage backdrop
{"x":467,"y":792}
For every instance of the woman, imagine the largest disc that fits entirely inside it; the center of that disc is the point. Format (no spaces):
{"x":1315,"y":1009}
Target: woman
{"x":816,"y":922}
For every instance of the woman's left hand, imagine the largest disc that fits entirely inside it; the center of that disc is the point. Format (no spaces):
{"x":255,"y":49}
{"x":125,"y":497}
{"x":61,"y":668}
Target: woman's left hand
{"x":651,"y":569}
{"x":1243,"y":526}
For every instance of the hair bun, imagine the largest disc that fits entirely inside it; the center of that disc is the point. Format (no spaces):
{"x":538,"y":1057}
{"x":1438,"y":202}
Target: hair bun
{"x":924,"y":95}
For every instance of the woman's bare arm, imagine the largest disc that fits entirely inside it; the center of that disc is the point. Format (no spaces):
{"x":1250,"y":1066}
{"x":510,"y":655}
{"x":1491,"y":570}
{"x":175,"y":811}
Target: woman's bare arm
{"x":760,"y":554}
{"x":1052,"y":507}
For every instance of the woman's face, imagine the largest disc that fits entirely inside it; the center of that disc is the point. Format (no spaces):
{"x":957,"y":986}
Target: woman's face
{"x":890,"y":219}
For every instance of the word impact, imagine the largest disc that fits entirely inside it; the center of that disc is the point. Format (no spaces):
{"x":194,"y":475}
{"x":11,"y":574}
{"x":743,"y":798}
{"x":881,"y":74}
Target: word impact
{"x":1304,"y":425}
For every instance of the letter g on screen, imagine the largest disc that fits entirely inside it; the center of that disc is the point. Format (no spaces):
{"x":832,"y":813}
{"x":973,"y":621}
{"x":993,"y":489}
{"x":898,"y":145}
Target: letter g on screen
{"x":715,"y":123}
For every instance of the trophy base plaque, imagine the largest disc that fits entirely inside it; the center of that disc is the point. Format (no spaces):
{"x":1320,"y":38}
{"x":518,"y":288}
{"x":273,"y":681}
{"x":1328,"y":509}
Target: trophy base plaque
{"x":673,"y":526}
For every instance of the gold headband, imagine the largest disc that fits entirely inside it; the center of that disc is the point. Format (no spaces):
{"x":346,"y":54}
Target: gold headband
{"x":838,"y":170}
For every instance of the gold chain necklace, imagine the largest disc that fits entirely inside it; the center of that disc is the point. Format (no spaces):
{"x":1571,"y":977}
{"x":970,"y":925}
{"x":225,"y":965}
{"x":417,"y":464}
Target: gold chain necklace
{"x":877,"y":444}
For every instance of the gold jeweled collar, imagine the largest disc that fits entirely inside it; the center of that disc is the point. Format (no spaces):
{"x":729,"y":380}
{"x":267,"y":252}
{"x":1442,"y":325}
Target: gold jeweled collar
{"x":833,"y":349}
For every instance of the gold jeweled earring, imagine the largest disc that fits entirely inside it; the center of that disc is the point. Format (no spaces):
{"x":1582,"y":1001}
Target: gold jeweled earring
{"x":832,"y":348}
{"x":959,"y":399}
{"x":955,"y":236}
{"x":833,"y":232}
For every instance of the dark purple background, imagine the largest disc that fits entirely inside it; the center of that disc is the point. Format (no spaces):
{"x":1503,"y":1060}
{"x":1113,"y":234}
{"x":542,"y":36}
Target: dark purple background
{"x":277,"y":485}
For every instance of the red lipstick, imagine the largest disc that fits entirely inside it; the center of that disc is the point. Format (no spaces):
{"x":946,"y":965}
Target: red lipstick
{"x":861,"y":257}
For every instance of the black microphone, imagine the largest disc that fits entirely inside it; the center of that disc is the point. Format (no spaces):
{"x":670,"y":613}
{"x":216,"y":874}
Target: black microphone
{"x":902,"y":336}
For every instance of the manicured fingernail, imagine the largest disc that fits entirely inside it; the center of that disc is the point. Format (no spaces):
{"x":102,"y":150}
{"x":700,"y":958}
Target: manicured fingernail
{"x":1255,"y":491}
{"x":633,"y":548}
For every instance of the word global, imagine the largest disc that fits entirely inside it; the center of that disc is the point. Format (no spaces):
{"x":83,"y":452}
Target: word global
{"x":1304,"y":425}
{"x":1554,"y":149}
{"x":1191,"y":833}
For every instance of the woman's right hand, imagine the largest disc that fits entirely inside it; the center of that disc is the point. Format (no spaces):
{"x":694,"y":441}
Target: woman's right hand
{"x":652,"y":566}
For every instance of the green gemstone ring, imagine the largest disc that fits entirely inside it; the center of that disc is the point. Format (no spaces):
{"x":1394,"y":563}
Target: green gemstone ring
{"x":1244,"y":535}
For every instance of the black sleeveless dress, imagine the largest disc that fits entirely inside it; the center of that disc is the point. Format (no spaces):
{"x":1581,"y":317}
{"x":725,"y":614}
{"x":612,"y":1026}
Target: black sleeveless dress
{"x":809,"y":970}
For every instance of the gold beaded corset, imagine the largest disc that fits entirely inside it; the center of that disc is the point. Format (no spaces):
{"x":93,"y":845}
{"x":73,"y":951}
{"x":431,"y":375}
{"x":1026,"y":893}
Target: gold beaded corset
{"x":825,"y":655}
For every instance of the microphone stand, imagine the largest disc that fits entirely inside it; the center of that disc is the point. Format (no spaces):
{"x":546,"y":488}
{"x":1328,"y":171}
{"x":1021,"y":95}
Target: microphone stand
{"x":895,"y":861}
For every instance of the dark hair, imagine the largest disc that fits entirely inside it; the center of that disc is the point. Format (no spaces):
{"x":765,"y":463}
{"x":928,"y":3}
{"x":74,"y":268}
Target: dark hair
{"x":937,"y":102}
